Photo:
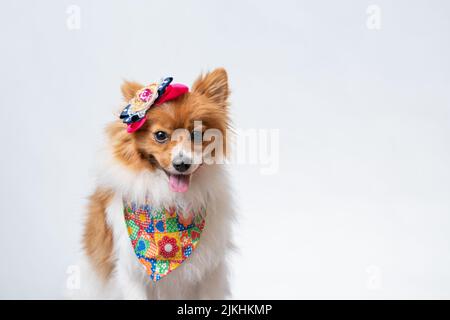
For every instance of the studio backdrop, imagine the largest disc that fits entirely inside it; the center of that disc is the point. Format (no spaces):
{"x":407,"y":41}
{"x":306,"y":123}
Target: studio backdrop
{"x":340,"y":174}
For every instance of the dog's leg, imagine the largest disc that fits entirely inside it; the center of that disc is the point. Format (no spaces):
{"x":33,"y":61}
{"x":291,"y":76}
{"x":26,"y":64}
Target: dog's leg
{"x":129,"y":275}
{"x":131,"y":288}
{"x":215,"y":285}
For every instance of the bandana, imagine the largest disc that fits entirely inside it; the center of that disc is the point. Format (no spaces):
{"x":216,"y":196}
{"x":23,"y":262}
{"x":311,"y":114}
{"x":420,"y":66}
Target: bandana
{"x":156,"y":93}
{"x":162,"y":238}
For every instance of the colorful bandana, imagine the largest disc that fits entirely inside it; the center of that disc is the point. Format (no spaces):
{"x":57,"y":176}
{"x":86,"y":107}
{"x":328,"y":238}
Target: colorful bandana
{"x":134,"y":114}
{"x":161,"y":238}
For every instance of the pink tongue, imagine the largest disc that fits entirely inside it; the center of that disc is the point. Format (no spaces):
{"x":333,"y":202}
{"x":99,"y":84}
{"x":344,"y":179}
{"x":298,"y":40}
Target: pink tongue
{"x":178,"y":182}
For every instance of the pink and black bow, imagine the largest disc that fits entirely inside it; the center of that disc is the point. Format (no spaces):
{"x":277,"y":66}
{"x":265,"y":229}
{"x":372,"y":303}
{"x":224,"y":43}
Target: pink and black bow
{"x":134,"y":114}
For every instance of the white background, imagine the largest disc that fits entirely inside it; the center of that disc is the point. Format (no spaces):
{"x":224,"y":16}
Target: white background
{"x":360,"y":205}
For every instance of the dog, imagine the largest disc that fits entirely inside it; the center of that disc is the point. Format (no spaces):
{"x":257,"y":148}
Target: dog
{"x":149,"y":166}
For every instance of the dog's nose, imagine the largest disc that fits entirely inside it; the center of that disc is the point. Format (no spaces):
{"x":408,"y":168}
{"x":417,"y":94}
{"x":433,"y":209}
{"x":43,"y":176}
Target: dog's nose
{"x":181,"y":166}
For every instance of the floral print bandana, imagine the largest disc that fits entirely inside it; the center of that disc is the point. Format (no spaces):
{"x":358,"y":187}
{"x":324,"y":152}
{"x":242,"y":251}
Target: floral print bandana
{"x":162,"y":238}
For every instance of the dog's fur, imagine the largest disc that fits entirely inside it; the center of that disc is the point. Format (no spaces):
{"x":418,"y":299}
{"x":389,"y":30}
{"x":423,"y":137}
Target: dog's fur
{"x":135,"y":166}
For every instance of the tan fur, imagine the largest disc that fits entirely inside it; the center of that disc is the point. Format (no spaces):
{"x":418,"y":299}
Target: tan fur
{"x":97,"y":239}
{"x":214,"y":85}
{"x":137,"y":151}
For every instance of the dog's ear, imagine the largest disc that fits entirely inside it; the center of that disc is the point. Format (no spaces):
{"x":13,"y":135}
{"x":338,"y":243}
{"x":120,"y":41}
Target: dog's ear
{"x":214,"y":85}
{"x":129,"y":89}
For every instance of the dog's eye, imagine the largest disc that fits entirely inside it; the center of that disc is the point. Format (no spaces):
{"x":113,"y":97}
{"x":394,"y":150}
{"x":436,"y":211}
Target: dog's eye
{"x":161,"y":136}
{"x":196,"y":136}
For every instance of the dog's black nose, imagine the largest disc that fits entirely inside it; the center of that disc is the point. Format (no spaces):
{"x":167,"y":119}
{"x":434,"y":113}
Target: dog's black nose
{"x":181,"y":166}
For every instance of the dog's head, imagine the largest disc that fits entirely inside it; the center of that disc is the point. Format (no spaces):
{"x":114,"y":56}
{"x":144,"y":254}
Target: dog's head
{"x":178,"y":134}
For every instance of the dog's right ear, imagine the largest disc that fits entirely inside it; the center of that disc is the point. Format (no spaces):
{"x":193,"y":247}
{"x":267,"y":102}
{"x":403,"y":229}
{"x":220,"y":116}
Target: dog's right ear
{"x":214,"y":85}
{"x":129,"y":89}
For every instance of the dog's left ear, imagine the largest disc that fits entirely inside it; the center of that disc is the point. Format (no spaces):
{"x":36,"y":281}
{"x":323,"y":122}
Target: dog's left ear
{"x":213,"y":85}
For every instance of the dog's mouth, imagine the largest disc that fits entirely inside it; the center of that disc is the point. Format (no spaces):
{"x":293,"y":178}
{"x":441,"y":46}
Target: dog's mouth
{"x":179,"y":182}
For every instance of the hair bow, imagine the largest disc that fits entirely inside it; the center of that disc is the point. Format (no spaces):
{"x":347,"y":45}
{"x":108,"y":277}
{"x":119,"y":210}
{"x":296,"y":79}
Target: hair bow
{"x":134,"y":114}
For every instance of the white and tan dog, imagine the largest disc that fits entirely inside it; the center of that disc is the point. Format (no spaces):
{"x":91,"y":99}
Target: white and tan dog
{"x":145,"y":166}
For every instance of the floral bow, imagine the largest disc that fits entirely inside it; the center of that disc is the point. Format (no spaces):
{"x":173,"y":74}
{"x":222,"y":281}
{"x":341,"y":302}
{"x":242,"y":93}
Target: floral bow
{"x":134,"y":114}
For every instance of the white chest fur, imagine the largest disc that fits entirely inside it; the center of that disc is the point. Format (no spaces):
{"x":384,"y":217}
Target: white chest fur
{"x":202,"y":275}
